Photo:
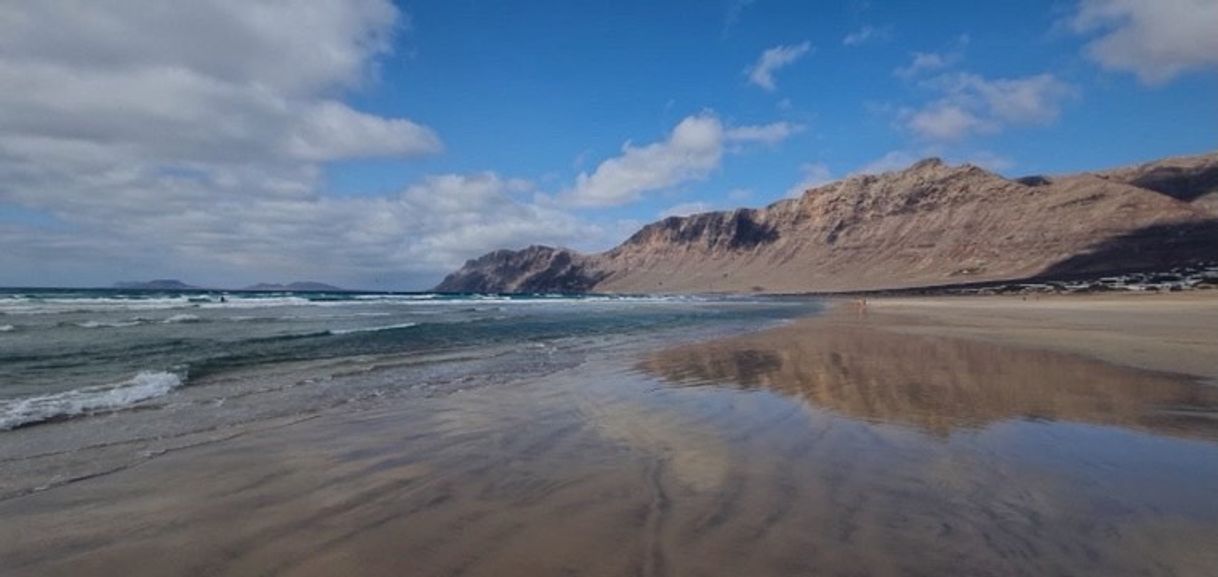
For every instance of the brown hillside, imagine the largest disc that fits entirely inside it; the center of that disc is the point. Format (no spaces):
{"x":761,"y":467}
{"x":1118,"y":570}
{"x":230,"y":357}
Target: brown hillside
{"x":929,"y":224}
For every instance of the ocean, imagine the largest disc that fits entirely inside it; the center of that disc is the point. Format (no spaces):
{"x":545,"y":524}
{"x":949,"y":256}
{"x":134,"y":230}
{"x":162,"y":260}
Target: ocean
{"x":70,"y":353}
{"x":165,"y":433}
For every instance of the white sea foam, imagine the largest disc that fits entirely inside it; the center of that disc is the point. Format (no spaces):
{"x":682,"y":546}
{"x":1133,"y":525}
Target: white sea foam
{"x":27,"y":304}
{"x":143,"y":386}
{"x":108,"y":324}
{"x":7,"y":328}
{"x":412,"y":297}
{"x":233,"y":302}
{"x":372,"y":329}
{"x":181,"y":318}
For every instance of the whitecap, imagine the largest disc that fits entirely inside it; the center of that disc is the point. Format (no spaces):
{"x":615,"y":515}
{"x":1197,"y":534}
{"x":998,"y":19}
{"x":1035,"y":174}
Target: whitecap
{"x":7,"y":328}
{"x":28,"y":305}
{"x":107,"y":324}
{"x":143,"y":386}
{"x":372,"y":329}
{"x":182,"y":318}
{"x":397,"y":297}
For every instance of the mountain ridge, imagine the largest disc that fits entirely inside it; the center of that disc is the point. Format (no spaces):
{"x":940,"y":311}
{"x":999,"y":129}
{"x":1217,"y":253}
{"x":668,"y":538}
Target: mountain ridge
{"x":156,"y":284}
{"x":928,"y":224}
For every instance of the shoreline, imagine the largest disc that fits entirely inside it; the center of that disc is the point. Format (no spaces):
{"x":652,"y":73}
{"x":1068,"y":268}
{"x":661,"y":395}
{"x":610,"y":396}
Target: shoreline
{"x":727,"y":452}
{"x":1175,"y":333}
{"x":212,"y":409}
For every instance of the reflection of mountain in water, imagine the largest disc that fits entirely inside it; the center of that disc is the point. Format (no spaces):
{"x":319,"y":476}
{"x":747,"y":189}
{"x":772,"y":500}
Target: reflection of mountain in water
{"x":939,"y":384}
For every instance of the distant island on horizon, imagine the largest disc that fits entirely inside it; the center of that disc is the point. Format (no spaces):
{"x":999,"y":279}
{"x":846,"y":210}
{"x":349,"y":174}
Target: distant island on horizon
{"x":158,"y":284}
{"x":174,"y":284}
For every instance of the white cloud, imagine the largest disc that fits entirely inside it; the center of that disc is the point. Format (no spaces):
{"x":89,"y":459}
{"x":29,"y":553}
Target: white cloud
{"x":923,"y":62}
{"x":686,"y":209}
{"x":218,"y":82}
{"x":814,"y":174}
{"x":405,"y":239}
{"x":331,"y":130}
{"x":194,"y":138}
{"x":946,"y":121}
{"x":289,"y":47}
{"x":693,"y":149}
{"x":1155,"y":39}
{"x":690,"y":152}
{"x":770,"y":61}
{"x":867,"y":33}
{"x":772,"y":133}
{"x":971,"y":104}
{"x":1029,"y":100}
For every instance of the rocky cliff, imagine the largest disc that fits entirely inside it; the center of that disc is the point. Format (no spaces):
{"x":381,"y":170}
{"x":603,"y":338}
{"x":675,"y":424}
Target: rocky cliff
{"x":534,"y":269}
{"x":929,"y":224}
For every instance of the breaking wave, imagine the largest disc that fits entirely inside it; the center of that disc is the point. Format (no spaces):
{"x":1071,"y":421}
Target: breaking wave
{"x":108,"y":324}
{"x":372,"y":329}
{"x":143,"y":386}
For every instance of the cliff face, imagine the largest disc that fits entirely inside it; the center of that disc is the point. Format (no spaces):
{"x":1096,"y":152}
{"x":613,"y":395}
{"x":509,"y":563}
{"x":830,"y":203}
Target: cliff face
{"x":1193,"y":179}
{"x":534,"y":269}
{"x":928,"y":224}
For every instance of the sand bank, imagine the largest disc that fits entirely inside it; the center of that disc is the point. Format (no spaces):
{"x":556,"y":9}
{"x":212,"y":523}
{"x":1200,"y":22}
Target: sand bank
{"x":1176,"y":333}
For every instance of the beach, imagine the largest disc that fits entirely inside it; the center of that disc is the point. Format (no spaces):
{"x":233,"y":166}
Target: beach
{"x":980,"y":436}
{"x":378,"y":288}
{"x":1168,"y":332}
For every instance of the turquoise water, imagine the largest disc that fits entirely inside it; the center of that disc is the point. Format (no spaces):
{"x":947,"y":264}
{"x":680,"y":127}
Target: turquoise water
{"x":71,"y":353}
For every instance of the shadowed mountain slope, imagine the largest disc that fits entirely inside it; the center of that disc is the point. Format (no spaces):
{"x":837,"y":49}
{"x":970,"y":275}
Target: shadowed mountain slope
{"x":929,"y":224}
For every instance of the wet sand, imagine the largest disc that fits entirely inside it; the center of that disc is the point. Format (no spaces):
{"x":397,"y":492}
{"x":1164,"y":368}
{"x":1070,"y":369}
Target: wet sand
{"x":909,"y":441}
{"x":1173,"y":332}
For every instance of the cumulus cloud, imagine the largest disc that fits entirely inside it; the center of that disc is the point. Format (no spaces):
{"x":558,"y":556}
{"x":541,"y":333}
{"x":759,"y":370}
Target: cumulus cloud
{"x":401,"y":239}
{"x":924,"y":62}
{"x":141,"y":137}
{"x":1029,"y":100}
{"x":867,"y":33}
{"x":762,"y":72}
{"x":216,"y":81}
{"x":404,"y":237}
{"x":972,"y":104}
{"x":693,"y":149}
{"x":772,"y":133}
{"x":1156,"y":39}
{"x":945,"y":120}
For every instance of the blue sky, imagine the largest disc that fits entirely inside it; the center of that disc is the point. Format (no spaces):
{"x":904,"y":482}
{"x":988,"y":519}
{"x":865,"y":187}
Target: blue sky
{"x":378,"y":145}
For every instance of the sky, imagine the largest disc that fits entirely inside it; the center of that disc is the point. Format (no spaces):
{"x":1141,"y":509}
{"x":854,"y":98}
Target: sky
{"x":378,"y":145}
